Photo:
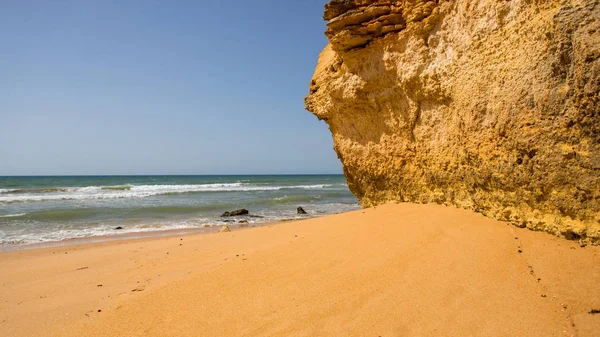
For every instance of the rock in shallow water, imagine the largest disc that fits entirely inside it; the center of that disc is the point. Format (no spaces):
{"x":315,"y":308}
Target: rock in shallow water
{"x":489,"y":106}
{"x":242,"y":211}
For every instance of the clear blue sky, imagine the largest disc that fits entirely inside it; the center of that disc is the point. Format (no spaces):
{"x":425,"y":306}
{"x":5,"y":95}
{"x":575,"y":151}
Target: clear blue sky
{"x":160,"y":87}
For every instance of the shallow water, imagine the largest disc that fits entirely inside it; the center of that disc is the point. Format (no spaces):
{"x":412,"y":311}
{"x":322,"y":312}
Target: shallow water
{"x":46,"y":209}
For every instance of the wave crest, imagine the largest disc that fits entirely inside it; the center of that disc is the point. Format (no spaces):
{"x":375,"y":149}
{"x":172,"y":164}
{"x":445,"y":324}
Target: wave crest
{"x":133,"y":191}
{"x":117,"y":188}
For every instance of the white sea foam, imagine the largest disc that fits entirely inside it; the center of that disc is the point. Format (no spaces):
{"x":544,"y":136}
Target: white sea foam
{"x":12,"y":215}
{"x":102,"y":230}
{"x":140,"y":191}
{"x":310,"y":187}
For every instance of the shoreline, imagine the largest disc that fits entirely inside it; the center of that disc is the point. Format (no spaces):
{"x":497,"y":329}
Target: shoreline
{"x":397,"y":269}
{"x":125,"y":237}
{"x":105,"y":238}
{"x":147,"y":234}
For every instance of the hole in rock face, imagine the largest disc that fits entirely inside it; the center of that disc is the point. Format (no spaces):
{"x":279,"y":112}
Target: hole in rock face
{"x":519,"y":161}
{"x":532,"y":153}
{"x":313,"y":86}
{"x":570,"y":235}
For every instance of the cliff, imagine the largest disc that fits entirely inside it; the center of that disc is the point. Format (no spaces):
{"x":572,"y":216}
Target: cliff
{"x":487,"y":105}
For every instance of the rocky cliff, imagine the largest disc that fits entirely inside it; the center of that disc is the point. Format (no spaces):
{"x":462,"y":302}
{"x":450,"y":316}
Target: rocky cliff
{"x":488,"y":105}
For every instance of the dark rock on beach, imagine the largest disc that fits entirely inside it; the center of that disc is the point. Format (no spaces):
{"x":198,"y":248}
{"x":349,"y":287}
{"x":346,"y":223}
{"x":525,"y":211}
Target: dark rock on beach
{"x":301,"y":210}
{"x":237,"y":212}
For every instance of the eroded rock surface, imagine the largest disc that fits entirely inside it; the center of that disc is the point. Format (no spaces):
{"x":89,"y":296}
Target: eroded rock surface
{"x":488,"y":105}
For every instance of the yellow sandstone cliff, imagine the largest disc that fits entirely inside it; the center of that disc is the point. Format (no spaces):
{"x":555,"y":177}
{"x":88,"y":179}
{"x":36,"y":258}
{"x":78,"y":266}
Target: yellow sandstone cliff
{"x":489,"y":105}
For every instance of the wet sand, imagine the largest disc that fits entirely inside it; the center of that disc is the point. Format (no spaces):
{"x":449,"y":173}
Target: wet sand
{"x":397,"y":270}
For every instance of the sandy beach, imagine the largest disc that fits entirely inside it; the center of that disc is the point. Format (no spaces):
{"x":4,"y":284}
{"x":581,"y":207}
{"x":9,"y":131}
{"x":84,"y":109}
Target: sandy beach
{"x":394,"y":270}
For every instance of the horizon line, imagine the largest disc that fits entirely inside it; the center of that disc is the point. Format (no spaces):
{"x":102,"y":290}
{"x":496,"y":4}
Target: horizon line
{"x":172,"y":175}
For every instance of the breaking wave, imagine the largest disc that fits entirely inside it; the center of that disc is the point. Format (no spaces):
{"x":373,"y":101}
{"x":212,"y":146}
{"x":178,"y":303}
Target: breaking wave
{"x":132,"y":191}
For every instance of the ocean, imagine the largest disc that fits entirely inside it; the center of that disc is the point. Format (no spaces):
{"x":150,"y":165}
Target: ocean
{"x":48,"y":209}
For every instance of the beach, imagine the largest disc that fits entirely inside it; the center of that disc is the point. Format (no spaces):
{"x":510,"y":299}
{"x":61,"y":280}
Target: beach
{"x":393,"y":270}
{"x":160,"y":177}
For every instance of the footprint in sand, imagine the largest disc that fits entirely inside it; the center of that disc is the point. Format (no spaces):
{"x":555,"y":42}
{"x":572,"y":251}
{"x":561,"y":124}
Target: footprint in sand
{"x":139,"y":288}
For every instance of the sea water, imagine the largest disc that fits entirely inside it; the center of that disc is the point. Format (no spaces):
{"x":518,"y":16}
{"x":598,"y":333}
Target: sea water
{"x":46,"y":209}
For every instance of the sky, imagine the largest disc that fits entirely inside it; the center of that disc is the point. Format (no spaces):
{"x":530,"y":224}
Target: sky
{"x":160,"y":87}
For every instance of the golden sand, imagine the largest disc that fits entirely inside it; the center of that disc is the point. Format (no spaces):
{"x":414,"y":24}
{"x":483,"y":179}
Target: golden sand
{"x":397,"y":270}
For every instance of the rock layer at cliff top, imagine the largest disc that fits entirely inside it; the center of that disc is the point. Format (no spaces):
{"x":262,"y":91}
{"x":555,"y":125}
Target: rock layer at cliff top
{"x":487,"y":105}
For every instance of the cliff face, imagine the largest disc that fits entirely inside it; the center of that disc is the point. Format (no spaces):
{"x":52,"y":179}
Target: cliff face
{"x":483,"y":104}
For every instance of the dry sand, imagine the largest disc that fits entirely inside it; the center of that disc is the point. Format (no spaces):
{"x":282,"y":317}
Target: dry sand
{"x":397,"y":270}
